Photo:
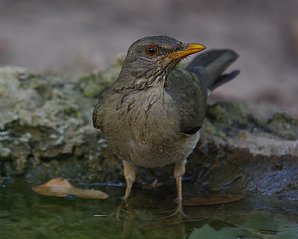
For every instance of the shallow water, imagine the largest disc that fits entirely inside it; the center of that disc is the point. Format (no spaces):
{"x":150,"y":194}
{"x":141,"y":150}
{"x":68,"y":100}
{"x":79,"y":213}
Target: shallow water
{"x":25,"y":214}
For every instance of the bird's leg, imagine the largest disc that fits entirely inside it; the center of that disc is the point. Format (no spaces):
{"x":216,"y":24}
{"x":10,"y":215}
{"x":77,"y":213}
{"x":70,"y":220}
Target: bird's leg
{"x":179,"y":171}
{"x":130,"y":177}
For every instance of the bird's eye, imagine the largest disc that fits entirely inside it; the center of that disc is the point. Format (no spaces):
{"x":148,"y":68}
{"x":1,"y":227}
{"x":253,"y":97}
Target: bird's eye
{"x":151,"y":50}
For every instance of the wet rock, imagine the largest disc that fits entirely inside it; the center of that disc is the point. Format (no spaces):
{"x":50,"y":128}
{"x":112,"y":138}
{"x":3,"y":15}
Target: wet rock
{"x":46,"y":132}
{"x":239,"y":151}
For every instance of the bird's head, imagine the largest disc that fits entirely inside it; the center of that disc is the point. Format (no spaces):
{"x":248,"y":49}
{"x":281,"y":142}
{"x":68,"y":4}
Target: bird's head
{"x":150,"y":59}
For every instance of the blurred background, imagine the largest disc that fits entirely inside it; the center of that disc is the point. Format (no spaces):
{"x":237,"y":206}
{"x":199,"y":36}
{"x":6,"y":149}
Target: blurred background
{"x":75,"y":37}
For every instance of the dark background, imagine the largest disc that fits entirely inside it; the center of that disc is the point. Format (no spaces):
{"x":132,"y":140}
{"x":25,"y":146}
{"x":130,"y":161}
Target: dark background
{"x":74,"y":37}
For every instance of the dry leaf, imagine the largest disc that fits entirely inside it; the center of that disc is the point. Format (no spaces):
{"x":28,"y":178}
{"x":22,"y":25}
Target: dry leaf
{"x":211,"y":200}
{"x":60,"y":187}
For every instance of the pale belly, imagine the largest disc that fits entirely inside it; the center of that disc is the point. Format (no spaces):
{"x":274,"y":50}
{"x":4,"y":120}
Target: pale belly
{"x":148,"y":155}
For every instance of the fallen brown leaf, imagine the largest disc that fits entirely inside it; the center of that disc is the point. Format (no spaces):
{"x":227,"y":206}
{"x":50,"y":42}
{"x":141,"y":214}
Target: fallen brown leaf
{"x":60,"y":187}
{"x":211,"y":200}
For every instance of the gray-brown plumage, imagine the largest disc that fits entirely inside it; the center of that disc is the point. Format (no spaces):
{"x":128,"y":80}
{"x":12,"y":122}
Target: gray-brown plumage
{"x":152,"y":114}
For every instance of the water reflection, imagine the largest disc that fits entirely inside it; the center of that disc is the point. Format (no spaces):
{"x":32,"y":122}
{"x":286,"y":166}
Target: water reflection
{"x":24,"y":214}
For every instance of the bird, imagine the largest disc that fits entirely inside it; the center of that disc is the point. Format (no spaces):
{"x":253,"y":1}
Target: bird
{"x":152,"y":114}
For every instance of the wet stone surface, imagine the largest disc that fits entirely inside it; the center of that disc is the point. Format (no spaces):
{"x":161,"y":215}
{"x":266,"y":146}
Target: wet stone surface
{"x":46,"y":132}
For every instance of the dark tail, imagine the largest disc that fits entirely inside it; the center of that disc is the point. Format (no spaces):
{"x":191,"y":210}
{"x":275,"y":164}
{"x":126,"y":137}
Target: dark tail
{"x":210,"y":65}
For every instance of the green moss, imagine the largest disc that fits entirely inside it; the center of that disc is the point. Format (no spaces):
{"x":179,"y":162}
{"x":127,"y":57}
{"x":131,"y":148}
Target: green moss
{"x":4,"y":152}
{"x":284,"y":126}
{"x":229,"y":113}
{"x":92,"y":85}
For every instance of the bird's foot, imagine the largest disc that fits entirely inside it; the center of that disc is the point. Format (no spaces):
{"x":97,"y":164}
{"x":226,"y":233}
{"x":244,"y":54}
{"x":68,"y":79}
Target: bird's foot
{"x":177,"y":213}
{"x":122,"y":209}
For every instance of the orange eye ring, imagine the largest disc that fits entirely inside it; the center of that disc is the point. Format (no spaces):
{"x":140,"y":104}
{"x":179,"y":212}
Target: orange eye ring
{"x":151,"y":50}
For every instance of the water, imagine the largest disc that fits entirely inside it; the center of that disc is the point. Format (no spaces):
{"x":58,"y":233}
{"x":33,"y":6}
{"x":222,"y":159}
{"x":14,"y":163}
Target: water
{"x":25,"y":214}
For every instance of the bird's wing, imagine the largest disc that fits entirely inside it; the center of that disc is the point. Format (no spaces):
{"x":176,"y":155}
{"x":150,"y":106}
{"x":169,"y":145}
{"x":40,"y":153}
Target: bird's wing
{"x":98,"y":114}
{"x":190,"y":99}
{"x":189,"y":88}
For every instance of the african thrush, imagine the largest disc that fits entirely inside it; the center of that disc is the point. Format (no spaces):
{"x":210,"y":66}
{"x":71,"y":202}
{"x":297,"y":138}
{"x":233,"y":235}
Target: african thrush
{"x":152,"y":114}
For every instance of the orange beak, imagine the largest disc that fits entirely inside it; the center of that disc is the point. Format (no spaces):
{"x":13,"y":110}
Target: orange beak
{"x":191,"y":48}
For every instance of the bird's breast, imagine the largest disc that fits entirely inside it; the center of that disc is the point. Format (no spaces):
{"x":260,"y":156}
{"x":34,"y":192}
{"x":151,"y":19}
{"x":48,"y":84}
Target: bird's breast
{"x":148,"y":116}
{"x":146,"y":129}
